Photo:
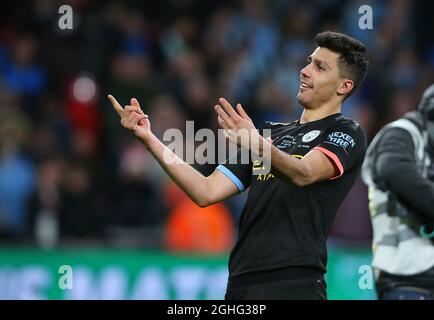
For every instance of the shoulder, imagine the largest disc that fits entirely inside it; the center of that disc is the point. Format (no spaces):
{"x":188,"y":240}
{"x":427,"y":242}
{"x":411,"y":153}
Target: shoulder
{"x":399,"y":133}
{"x":344,"y":122}
{"x":349,"y":127}
{"x":274,"y":125}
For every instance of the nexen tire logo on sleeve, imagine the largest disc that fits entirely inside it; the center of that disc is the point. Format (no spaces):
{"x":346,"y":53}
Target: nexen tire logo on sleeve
{"x":341,"y":139}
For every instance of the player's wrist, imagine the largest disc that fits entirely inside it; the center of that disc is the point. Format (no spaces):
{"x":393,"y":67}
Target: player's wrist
{"x":259,"y":145}
{"x":148,"y":139}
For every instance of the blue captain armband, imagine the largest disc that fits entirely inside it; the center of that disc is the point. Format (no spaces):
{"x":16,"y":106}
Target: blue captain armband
{"x":231,"y":177}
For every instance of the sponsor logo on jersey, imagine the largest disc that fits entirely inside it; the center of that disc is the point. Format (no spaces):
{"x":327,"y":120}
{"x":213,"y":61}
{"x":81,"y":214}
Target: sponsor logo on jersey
{"x":341,"y":139}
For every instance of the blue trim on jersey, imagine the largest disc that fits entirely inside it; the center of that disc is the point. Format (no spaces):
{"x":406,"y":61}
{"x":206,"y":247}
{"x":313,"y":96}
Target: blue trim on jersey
{"x":231,"y":177}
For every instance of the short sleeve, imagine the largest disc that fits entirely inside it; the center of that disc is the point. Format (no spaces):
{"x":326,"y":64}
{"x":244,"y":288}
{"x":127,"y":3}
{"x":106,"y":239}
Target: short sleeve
{"x":344,"y":145}
{"x":238,"y":168}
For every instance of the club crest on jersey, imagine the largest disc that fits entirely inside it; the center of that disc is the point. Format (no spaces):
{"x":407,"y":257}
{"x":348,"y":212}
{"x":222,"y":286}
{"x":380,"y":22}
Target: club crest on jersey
{"x":310,"y":136}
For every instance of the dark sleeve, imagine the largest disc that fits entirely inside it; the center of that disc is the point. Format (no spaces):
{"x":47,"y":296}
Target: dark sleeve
{"x":238,"y":167}
{"x":396,"y":165}
{"x":238,"y":171}
{"x":345,"y":146}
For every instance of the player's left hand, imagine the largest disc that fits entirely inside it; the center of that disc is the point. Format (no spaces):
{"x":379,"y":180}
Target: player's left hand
{"x":237,"y":125}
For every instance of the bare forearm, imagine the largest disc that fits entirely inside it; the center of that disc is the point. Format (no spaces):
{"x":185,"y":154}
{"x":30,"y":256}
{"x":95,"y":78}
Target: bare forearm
{"x":284,"y":165}
{"x":202,"y":190}
{"x":239,"y":129}
{"x":192,"y":182}
{"x":289,"y":167}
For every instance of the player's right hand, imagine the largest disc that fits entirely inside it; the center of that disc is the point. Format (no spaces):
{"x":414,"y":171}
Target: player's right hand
{"x":133,"y":118}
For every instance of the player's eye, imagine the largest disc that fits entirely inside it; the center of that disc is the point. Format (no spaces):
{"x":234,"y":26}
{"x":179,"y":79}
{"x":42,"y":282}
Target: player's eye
{"x":319,"y":66}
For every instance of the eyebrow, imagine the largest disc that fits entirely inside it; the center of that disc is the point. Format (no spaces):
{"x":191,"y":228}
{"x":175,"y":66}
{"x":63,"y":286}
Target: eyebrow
{"x":319,"y":61}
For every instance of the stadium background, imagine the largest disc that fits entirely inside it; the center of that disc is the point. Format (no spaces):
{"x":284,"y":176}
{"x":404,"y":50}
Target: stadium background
{"x":76,"y":189}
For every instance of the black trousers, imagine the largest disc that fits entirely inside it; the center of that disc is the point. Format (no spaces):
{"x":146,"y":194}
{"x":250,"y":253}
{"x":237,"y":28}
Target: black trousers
{"x":407,"y":293}
{"x":295,"y":289}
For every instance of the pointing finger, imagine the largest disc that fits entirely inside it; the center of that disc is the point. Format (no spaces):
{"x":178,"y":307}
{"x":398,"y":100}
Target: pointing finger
{"x":116,"y":105}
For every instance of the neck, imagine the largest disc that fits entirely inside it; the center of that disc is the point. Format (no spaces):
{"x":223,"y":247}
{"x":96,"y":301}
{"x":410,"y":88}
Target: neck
{"x":309,"y":115}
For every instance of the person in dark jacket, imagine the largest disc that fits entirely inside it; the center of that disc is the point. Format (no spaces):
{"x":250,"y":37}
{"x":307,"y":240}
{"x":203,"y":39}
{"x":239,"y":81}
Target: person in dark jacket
{"x":399,"y":170}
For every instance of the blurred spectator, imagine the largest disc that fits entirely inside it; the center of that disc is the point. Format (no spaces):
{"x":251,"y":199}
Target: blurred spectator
{"x":45,"y":203}
{"x":193,"y":229}
{"x":23,"y":75}
{"x":138,"y":201}
{"x":166,"y":114}
{"x":80,"y":213}
{"x":16,"y":176}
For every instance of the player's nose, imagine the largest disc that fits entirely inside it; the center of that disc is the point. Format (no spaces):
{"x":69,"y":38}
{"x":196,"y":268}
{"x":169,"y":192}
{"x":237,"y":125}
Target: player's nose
{"x":304,"y":73}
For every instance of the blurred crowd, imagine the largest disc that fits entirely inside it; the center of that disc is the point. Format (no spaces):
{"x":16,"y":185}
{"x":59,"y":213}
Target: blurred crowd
{"x":70,"y":174}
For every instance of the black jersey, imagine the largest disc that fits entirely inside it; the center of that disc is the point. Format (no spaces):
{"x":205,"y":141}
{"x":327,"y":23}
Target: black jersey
{"x":283,"y":228}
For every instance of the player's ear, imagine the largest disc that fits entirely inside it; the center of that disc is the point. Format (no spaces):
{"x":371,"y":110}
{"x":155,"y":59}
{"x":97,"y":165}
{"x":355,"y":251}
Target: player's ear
{"x":346,"y":86}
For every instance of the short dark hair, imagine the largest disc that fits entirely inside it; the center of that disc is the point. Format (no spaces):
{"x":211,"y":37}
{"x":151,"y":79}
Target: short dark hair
{"x":353,"y":59}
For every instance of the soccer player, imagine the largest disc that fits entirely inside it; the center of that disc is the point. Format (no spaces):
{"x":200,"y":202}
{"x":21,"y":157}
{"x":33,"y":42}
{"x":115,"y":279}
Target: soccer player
{"x":281,"y":249}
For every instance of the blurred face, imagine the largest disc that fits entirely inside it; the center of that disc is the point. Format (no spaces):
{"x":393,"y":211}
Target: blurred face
{"x":320,"y":81}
